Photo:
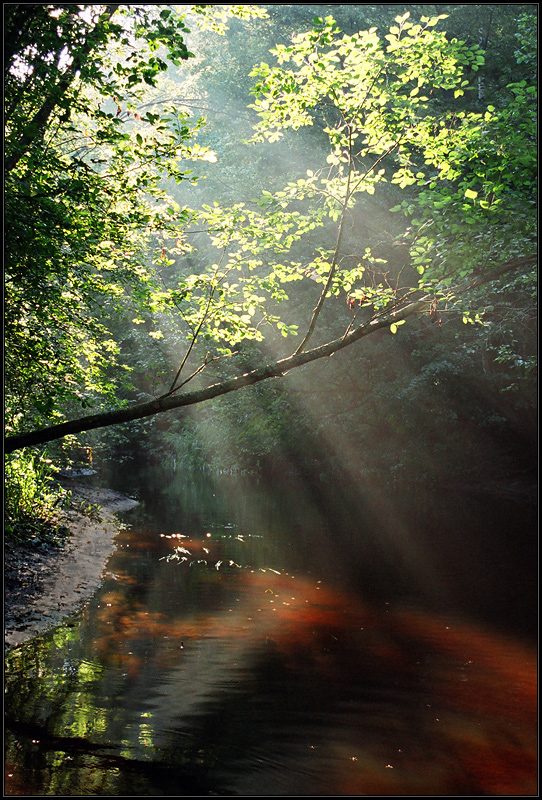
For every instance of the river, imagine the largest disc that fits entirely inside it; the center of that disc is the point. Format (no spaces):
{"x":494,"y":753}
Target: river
{"x":292,"y":639}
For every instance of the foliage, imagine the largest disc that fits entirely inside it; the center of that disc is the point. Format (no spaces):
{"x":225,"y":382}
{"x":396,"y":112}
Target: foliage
{"x":32,"y":498}
{"x":85,"y":162}
{"x":389,"y":120}
{"x":378,"y":103}
{"x":85,"y":168}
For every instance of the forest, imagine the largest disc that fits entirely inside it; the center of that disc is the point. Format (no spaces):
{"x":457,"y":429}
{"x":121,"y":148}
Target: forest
{"x":270,"y":238}
{"x":270,"y":319}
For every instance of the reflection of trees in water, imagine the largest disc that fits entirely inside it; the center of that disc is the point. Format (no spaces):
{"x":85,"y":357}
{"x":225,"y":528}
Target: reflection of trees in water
{"x":287,"y":678}
{"x":295,"y":684}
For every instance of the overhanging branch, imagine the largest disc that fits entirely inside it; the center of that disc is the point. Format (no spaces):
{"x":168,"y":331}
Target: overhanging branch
{"x":276,"y":369}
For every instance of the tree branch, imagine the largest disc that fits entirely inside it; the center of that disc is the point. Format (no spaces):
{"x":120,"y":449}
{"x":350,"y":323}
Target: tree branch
{"x":37,"y":124}
{"x":273,"y":370}
{"x":205,"y":314}
{"x":349,"y":192}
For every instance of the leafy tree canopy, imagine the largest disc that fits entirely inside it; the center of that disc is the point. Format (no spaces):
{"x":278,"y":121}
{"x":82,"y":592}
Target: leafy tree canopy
{"x":94,"y":238}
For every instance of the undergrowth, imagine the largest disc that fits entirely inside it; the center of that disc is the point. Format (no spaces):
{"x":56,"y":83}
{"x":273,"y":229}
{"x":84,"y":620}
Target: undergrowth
{"x":32,"y":500}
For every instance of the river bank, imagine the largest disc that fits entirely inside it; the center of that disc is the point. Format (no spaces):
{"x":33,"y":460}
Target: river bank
{"x":44,"y":584}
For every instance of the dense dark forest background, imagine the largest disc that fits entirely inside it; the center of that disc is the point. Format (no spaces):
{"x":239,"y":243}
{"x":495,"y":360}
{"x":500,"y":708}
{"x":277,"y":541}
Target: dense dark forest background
{"x":450,"y":398}
{"x":440,"y":402}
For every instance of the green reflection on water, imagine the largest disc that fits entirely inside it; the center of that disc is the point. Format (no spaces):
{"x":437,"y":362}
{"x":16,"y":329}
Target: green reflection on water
{"x":275,"y":668}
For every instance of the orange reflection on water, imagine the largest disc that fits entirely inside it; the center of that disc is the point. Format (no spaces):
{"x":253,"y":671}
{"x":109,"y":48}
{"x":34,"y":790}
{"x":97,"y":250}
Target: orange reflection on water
{"x":476,"y":690}
{"x":492,"y":670}
{"x":481,"y":687}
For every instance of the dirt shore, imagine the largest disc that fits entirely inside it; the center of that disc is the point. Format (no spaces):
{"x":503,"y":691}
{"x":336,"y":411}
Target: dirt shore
{"x":43,"y":584}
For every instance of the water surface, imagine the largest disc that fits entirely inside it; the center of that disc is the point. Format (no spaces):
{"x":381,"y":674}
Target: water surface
{"x":258,"y":641}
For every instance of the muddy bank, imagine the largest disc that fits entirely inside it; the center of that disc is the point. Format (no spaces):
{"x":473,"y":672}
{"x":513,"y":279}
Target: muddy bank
{"x":43,"y":584}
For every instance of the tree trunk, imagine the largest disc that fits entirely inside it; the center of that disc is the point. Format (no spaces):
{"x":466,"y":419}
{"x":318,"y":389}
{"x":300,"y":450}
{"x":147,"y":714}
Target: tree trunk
{"x":35,"y":127}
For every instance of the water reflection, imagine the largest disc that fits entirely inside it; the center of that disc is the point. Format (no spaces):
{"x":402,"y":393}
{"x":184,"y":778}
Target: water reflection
{"x":247,"y":664}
